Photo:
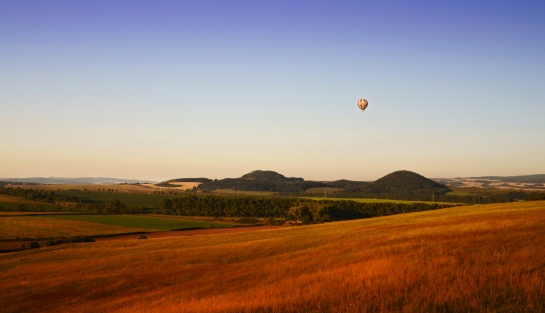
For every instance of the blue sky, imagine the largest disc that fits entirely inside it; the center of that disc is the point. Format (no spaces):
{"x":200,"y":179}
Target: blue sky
{"x":167,"y":89}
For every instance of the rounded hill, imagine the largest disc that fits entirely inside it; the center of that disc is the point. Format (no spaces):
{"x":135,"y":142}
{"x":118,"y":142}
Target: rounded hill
{"x":270,"y":176}
{"x":406,"y":183}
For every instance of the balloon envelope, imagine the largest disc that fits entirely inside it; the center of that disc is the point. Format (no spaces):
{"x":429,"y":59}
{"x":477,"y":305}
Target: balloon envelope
{"x":362,"y":104}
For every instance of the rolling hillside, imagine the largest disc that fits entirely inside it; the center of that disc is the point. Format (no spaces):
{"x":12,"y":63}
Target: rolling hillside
{"x":397,"y":185}
{"x":467,"y":259}
{"x":263,"y":181}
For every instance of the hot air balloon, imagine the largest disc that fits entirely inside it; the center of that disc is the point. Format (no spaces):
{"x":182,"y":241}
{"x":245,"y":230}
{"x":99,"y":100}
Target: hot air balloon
{"x":362,"y":104}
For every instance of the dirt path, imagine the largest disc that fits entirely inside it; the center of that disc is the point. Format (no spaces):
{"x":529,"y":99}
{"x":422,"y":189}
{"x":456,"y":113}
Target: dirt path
{"x":193,"y":232}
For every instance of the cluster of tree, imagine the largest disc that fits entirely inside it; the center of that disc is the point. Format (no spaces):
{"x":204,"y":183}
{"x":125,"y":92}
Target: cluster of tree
{"x":257,"y":181}
{"x":38,"y":195}
{"x":65,"y":240}
{"x":52,"y":242}
{"x":401,"y":185}
{"x":285,"y":188}
{"x":489,"y":197}
{"x":190,"y":180}
{"x":284,"y":207}
{"x":64,"y":203}
{"x":113,"y":207}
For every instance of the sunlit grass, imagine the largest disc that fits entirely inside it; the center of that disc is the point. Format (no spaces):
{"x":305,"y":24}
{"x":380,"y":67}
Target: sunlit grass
{"x":479,"y":258}
{"x":141,"y":221}
{"x":369,"y":200}
{"x":12,"y":227}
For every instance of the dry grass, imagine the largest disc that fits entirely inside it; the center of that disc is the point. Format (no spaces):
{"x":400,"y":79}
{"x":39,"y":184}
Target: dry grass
{"x":12,"y":199}
{"x":479,"y":258}
{"x":181,"y":186}
{"x":12,"y":227}
{"x":127,"y":188}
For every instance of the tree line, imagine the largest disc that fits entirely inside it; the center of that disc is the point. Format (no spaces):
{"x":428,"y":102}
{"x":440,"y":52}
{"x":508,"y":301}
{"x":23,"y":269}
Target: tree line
{"x":285,"y":207}
{"x":49,"y":201}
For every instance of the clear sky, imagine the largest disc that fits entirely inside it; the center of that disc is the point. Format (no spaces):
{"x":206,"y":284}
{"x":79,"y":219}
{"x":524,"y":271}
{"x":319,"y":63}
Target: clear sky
{"x":168,"y":89}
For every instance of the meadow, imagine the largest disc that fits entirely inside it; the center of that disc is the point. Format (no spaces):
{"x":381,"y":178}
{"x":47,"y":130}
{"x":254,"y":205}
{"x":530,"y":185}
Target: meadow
{"x":482,"y":258}
{"x":11,"y":203}
{"x":244,"y":192}
{"x":43,"y":226}
{"x":155,"y":223}
{"x":367,"y":200}
{"x":70,"y":225}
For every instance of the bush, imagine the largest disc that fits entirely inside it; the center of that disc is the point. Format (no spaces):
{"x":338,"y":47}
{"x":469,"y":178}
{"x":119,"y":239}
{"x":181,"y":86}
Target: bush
{"x":326,"y":218}
{"x":34,"y":245}
{"x":305,"y":220}
{"x":248,"y":220}
{"x":143,"y":237}
{"x":63,"y":240}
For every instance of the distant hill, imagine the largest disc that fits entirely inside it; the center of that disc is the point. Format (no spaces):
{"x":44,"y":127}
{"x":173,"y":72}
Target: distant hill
{"x":263,"y":181}
{"x":536,"y":179}
{"x":348,"y":184}
{"x":74,"y":181}
{"x":189,"y":180}
{"x":270,"y":176}
{"x":397,"y":185}
{"x":406,"y":182}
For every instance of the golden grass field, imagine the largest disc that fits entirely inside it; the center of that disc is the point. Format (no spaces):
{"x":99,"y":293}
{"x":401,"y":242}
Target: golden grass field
{"x":127,"y":188}
{"x":487,"y":258}
{"x":13,"y":199}
{"x":43,"y":227}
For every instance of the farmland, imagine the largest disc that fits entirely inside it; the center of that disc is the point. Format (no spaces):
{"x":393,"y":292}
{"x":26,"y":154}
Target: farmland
{"x":143,"y":222}
{"x":36,"y":227}
{"x":365,"y":200}
{"x":473,"y":258}
{"x":54,"y":225}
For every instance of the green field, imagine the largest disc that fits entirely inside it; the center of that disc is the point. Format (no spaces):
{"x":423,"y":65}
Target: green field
{"x":479,"y":258}
{"x":243,"y":192}
{"x":133,"y":200}
{"x":140,"y":221}
{"x":363,"y":200}
{"x":31,"y":206}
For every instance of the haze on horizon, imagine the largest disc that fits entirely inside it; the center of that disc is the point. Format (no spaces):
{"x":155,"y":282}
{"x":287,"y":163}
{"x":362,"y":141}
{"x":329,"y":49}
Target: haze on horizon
{"x":216,"y":89}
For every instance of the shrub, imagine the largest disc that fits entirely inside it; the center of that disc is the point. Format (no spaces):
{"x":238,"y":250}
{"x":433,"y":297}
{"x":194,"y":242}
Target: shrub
{"x":247,"y":220}
{"x":34,"y":245}
{"x":326,"y":218}
{"x":143,"y":237}
{"x":272,"y":221}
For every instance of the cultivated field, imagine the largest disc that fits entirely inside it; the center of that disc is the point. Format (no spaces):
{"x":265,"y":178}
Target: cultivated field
{"x":367,"y":200}
{"x":37,"y":227}
{"x":70,"y":225}
{"x":244,"y":192}
{"x":126,"y":188}
{"x":180,"y":186}
{"x":485,"y":258}
{"x":12,"y":199}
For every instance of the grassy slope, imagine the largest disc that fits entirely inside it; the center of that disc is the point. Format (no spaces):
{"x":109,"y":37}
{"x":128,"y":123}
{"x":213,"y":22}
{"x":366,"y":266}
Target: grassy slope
{"x":35,"y":227}
{"x":368,"y":200}
{"x":47,"y":226}
{"x":139,"y":221}
{"x":476,"y":258}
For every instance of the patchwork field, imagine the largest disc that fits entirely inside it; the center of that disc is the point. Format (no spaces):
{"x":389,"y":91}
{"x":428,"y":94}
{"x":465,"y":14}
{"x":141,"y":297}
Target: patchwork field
{"x":366,"y":200}
{"x":124,"y":188}
{"x":51,"y":226}
{"x":476,"y":258}
{"x":243,"y":192}
{"x":36,"y":227}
